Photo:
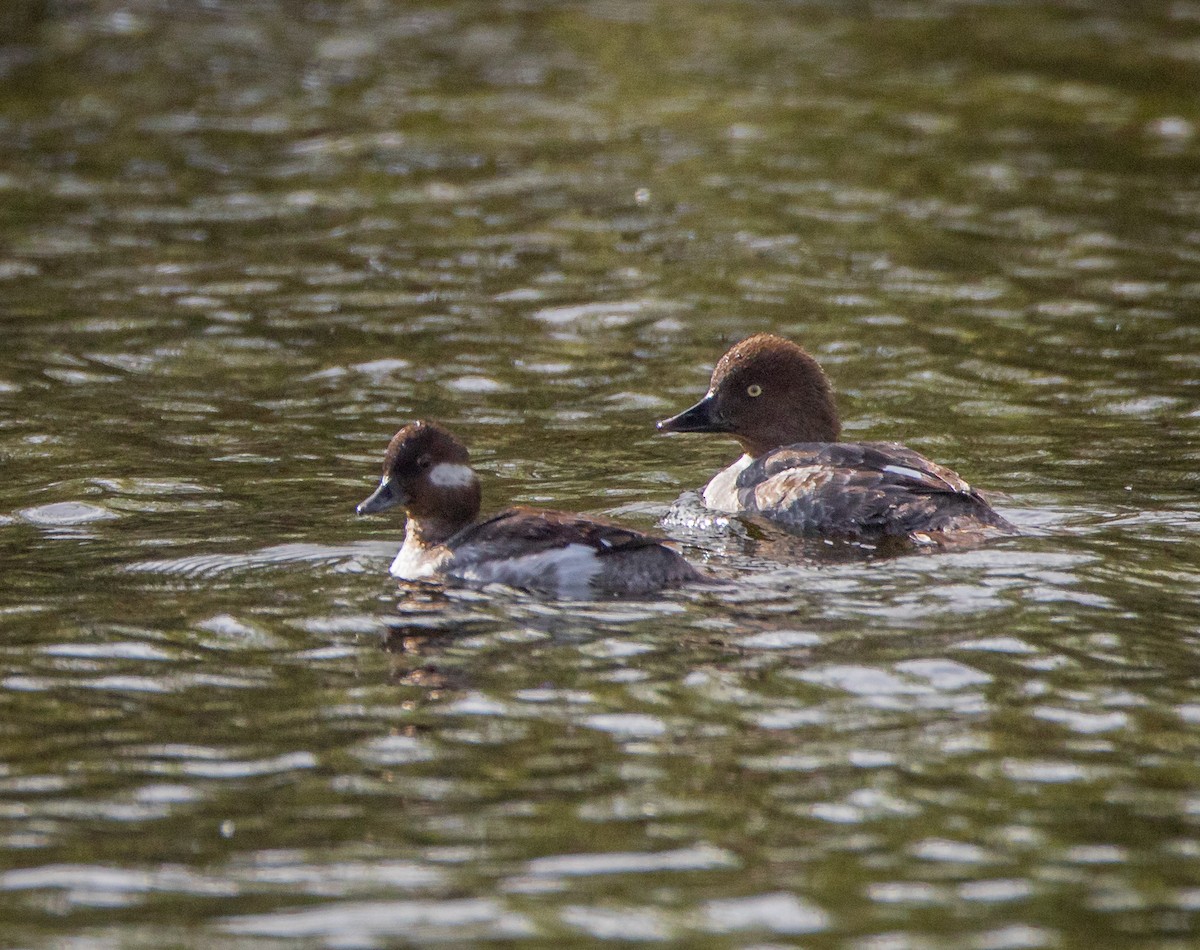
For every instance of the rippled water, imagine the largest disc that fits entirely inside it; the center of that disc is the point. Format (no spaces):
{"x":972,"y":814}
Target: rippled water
{"x":241,"y":243}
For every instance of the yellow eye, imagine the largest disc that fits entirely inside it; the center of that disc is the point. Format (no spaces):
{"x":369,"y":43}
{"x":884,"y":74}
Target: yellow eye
{"x":754,"y":390}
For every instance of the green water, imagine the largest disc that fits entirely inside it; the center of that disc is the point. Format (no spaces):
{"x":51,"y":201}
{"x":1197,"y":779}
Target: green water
{"x":242,"y":242}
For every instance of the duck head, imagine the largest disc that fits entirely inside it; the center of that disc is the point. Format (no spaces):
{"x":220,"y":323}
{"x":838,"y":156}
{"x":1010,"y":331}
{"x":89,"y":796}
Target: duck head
{"x":426,"y":471}
{"x":765,"y":392}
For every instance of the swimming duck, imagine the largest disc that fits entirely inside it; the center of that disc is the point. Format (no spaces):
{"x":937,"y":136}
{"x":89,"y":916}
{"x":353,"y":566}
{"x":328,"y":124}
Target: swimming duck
{"x":774,"y":399}
{"x":426,"y":471}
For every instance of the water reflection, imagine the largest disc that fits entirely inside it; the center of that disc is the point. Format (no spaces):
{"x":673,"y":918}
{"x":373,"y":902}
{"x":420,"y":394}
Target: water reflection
{"x":240,"y":245}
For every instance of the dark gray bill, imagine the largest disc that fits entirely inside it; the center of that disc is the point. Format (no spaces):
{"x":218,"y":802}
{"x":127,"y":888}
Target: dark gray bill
{"x":701,"y":417}
{"x":386,"y":496}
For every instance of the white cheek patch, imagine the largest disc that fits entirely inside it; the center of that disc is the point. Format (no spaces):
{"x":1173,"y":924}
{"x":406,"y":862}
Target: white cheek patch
{"x":447,"y":475}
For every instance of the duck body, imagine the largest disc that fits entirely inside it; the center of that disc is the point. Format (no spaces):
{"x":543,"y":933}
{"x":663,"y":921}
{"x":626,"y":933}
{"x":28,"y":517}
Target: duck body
{"x":559,"y":553}
{"x":853,"y":490}
{"x":776,"y":401}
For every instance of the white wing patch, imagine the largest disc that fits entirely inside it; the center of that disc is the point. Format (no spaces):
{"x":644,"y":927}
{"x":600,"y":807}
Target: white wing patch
{"x":905,"y":472}
{"x":448,"y":475}
{"x":566,"y":570}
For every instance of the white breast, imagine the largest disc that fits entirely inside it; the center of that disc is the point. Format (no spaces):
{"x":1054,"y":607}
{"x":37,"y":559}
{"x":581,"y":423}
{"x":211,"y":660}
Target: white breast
{"x":416,"y":562}
{"x":721,"y":493}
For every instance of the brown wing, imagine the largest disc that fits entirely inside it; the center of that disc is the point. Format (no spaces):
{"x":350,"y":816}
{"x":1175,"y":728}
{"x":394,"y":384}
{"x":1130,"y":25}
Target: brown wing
{"x":536,"y":530}
{"x":866,"y":488}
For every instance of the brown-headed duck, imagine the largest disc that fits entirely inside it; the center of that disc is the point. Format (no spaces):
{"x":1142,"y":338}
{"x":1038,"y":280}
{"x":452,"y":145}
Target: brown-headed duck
{"x":426,"y":471}
{"x":773,"y":398}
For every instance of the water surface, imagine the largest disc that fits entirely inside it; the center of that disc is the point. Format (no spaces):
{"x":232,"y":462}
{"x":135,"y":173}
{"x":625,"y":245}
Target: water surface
{"x":242,"y":243}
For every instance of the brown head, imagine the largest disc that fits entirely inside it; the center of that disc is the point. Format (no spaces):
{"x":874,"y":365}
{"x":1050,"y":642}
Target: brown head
{"x":765,"y":392}
{"x":426,"y":471}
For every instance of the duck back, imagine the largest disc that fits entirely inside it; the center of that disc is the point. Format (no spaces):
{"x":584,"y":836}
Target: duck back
{"x":857,"y":490}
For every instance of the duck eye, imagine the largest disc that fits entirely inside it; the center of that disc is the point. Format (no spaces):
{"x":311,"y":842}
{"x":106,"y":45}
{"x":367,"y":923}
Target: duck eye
{"x":753,"y":390}
{"x":424,"y":462}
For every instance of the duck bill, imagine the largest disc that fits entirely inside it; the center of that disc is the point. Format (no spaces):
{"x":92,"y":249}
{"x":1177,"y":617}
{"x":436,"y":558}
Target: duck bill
{"x":386,"y":496}
{"x":701,"y":417}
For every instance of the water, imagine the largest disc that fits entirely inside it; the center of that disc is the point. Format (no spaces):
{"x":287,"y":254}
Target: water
{"x":241,"y":243}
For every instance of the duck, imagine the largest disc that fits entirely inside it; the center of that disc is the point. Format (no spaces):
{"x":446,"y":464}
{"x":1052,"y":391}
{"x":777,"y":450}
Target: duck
{"x":771,"y":396}
{"x":427,"y":472}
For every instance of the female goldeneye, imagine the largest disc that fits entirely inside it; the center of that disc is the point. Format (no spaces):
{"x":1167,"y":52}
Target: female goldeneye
{"x":773,"y":397}
{"x":426,"y":471}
